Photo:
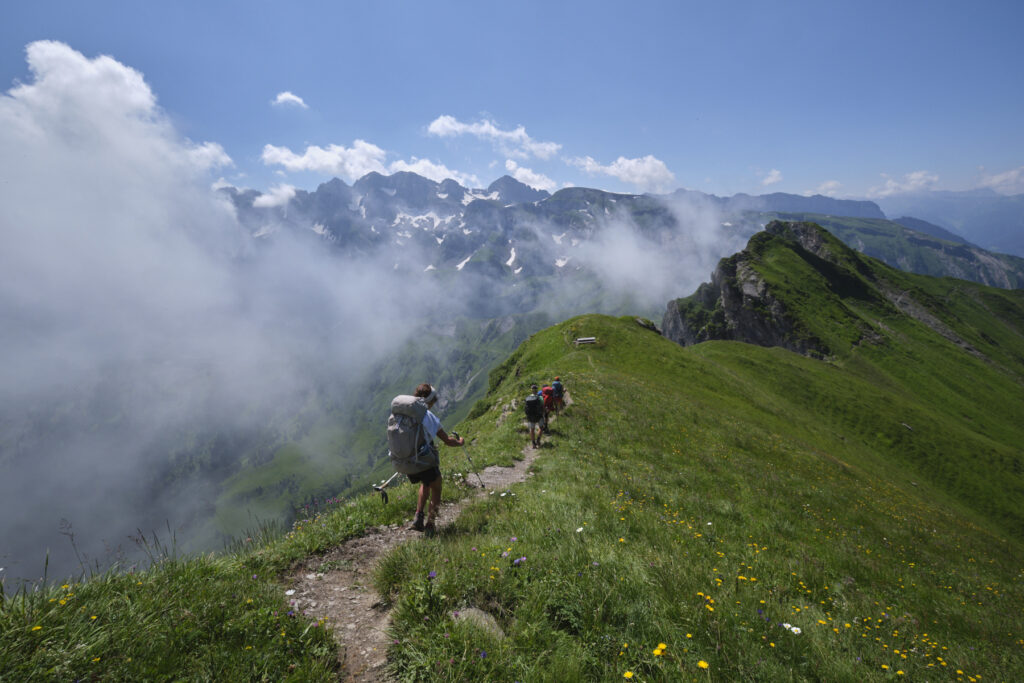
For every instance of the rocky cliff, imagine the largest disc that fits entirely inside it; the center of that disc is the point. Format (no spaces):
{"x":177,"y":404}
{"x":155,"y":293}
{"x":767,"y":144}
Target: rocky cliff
{"x":739,"y":305}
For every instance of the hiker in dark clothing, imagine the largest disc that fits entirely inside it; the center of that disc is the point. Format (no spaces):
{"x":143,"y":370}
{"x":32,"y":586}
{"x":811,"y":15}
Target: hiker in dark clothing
{"x":430,"y":480}
{"x":534,"y":405}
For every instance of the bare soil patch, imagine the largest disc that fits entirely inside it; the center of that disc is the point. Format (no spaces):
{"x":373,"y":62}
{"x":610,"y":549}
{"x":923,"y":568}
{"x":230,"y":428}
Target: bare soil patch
{"x":338,"y":584}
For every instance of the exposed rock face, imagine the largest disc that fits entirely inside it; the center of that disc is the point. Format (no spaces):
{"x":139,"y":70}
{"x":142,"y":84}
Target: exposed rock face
{"x":738,"y":304}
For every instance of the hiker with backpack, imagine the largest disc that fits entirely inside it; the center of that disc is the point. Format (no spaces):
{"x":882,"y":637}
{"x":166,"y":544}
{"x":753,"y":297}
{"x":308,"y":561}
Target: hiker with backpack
{"x":412,"y":428}
{"x":548,"y":394}
{"x":559,"y":392}
{"x":534,"y":406}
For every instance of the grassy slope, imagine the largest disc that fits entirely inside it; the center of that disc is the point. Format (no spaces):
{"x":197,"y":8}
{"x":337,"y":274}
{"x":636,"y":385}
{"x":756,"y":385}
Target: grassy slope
{"x":910,"y":250}
{"x":706,"y":478}
{"x":697,"y":498}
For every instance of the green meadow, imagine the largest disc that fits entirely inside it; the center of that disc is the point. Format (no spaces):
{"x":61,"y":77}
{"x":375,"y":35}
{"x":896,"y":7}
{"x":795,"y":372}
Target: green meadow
{"x":719,"y":512}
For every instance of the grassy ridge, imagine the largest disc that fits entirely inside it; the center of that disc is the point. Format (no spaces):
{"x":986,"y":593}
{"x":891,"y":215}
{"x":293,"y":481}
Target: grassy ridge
{"x":718,"y":512}
{"x":690,"y":500}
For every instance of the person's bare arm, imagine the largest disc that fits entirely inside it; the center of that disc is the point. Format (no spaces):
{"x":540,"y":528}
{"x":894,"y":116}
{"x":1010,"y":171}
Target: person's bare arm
{"x":450,"y":441}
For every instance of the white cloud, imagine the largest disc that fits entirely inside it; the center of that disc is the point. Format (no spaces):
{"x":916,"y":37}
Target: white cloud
{"x":436,"y":172}
{"x":135,"y":309}
{"x":1009,"y":182}
{"x":276,"y":196}
{"x":210,"y":155}
{"x":829,"y":188}
{"x":774,"y":176}
{"x":647,"y":173}
{"x":288,"y":98}
{"x":514,"y":143}
{"x":349,"y":163}
{"x":352,"y":163}
{"x":529,"y":177}
{"x":911,"y":182}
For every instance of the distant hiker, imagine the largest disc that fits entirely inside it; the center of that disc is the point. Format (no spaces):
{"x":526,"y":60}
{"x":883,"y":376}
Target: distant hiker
{"x":412,"y":428}
{"x":548,"y":394}
{"x":559,"y":392}
{"x":534,"y":405}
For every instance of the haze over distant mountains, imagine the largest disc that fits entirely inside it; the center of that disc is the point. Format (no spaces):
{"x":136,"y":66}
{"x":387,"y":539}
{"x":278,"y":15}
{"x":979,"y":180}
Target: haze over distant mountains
{"x":510,"y":230}
{"x":987,"y":218}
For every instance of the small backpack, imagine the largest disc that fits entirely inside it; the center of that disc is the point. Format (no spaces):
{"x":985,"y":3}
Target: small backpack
{"x":556,"y":386}
{"x":534,"y":408}
{"x":408,"y":447}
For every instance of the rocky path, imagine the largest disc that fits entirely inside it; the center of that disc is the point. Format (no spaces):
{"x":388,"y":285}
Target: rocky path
{"x":338,"y":585}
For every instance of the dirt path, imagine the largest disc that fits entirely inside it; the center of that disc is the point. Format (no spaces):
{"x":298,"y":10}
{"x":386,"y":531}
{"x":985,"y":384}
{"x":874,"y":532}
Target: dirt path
{"x":337,"y":585}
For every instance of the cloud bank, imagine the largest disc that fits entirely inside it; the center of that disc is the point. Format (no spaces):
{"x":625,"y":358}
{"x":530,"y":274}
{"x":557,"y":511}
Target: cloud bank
{"x":918,"y":181}
{"x":139,"y":315}
{"x":352,"y":163}
{"x":514,"y":143}
{"x":648,"y":173}
{"x":526,"y":176}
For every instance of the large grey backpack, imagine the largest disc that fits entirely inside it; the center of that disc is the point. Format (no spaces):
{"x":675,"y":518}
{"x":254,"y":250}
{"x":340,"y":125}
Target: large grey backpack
{"x":408,"y":447}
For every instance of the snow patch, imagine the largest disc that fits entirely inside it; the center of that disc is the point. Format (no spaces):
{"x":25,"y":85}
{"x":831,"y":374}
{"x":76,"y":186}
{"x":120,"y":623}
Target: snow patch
{"x":560,"y":263}
{"x":466,"y":231}
{"x":464,"y":262}
{"x":440,"y":240}
{"x":391,"y":192}
{"x":416,"y":221}
{"x":518,"y":270}
{"x":575,"y":242}
{"x":558,"y":238}
{"x":470,"y":197}
{"x":319,"y":229}
{"x":727,"y":225}
{"x":512,"y":258}
{"x":429,"y":268}
{"x":442,"y":195}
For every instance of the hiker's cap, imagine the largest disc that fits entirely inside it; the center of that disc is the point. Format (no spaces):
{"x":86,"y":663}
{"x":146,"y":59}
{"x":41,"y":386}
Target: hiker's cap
{"x":533,"y":386}
{"x":558,"y":379}
{"x":432,"y":396}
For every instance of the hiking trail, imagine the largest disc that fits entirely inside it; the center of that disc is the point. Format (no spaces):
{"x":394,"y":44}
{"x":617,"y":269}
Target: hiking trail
{"x":338,"y":584}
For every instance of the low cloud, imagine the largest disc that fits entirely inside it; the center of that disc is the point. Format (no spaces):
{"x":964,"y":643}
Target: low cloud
{"x":529,"y":177}
{"x":918,"y":181}
{"x":645,"y":173}
{"x":1009,"y":183}
{"x":352,"y":163}
{"x":140,"y":316}
{"x":514,"y":143}
{"x":287,"y":98}
{"x":434,"y":171}
{"x":348,"y":163}
{"x":774,"y":176}
{"x":829,"y":188}
{"x":276,"y":196}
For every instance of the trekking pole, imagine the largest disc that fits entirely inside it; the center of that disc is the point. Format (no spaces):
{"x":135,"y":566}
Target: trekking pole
{"x":471,"y":465}
{"x":380,"y":489}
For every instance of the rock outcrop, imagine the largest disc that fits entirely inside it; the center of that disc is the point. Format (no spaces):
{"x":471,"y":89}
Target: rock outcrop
{"x":739,"y":305}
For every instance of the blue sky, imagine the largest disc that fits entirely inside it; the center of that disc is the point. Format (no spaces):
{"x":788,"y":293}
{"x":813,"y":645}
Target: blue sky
{"x":842,"y":98}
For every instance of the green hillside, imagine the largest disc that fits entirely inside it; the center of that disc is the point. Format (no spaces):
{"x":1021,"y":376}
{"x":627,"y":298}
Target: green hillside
{"x":715,"y":512}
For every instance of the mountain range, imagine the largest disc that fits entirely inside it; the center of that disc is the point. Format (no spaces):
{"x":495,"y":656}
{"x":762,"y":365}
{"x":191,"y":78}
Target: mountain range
{"x":510,"y":230}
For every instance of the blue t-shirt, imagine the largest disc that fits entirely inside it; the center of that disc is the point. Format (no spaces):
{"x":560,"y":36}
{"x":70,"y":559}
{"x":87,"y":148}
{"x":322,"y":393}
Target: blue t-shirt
{"x":430,"y":425}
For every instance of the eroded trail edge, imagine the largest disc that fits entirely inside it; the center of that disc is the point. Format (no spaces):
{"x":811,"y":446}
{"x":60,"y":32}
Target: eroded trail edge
{"x":338,"y":585}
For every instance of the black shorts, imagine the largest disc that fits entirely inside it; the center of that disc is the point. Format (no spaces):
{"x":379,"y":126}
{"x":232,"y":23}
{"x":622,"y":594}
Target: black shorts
{"x":426,"y":476}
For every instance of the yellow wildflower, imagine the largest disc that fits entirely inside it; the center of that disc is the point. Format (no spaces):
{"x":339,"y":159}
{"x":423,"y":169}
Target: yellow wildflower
{"x":702,"y":664}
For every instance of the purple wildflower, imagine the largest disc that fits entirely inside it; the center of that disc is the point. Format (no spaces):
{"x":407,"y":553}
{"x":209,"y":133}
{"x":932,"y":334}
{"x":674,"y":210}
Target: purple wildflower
{"x":432,"y":575}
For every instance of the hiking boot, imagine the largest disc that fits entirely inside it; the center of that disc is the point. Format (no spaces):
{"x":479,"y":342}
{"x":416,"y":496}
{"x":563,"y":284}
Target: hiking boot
{"x":418,"y":524}
{"x":429,"y":528}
